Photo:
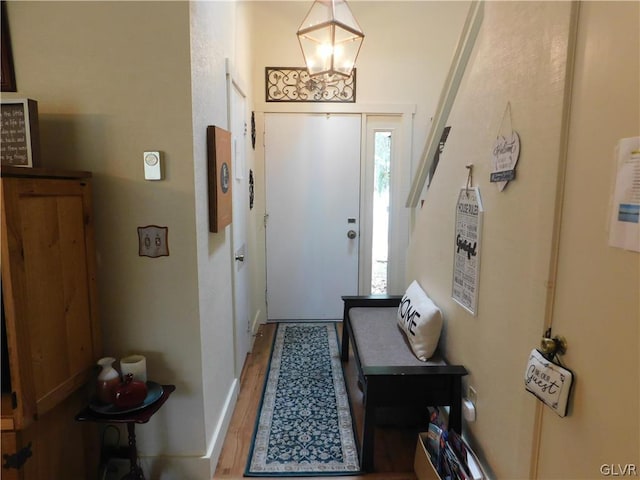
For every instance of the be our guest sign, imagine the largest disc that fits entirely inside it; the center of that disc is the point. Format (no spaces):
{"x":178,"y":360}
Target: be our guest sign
{"x":549,"y":382}
{"x":19,"y":134}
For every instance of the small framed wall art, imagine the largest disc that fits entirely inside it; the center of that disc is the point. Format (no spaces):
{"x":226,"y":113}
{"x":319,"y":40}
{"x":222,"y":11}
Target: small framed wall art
{"x":19,"y":135}
{"x":219,"y":178}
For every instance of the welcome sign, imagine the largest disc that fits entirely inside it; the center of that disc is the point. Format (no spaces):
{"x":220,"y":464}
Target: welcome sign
{"x":506,"y":152}
{"x":549,"y":382}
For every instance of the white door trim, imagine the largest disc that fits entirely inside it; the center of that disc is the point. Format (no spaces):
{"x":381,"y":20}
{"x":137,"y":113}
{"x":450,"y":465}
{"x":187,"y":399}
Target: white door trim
{"x":404,"y":109}
{"x":398,"y":230}
{"x":242,"y":339}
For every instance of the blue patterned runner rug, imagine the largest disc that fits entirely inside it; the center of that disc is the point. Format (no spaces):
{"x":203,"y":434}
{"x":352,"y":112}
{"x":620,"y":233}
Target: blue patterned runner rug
{"x":304,"y":425}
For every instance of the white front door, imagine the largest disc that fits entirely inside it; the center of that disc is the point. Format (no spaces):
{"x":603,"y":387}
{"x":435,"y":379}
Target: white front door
{"x":312,"y":186}
{"x":240,"y":192}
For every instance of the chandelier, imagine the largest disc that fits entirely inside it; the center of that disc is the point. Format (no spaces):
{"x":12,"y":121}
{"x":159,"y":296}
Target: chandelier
{"x":330,"y":38}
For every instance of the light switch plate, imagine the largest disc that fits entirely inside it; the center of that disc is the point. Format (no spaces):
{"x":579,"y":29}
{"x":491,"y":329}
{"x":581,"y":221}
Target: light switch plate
{"x":153,"y":241}
{"x":152,"y":166}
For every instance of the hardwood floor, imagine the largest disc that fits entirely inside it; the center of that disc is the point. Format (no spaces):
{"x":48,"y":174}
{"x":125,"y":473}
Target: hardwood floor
{"x":394,"y":447}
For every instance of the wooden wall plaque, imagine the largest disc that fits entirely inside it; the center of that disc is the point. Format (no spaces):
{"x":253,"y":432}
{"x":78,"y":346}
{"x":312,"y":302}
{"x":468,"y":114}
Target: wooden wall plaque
{"x":19,"y":133}
{"x":219,"y":177}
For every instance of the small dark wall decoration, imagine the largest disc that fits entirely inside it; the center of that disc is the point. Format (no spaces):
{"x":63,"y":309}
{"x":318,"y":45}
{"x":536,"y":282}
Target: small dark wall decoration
{"x":436,"y":155}
{"x":294,"y":84}
{"x":251,"y":190}
{"x":7,"y":76}
{"x":253,"y":130}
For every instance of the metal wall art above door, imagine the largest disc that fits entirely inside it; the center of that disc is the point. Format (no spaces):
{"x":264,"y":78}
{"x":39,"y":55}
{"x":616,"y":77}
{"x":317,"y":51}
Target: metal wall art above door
{"x":293,"y":84}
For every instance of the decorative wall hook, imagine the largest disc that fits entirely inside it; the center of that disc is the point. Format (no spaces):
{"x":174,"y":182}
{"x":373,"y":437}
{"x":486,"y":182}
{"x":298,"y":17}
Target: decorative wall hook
{"x":469,"y":178}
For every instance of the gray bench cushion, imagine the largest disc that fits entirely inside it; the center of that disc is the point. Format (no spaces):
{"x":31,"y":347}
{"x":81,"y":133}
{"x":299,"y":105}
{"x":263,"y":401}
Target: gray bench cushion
{"x":380,"y":341}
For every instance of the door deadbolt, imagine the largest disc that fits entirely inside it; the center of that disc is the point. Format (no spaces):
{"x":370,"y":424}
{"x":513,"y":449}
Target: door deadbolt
{"x":352,"y":234}
{"x":240,"y":257}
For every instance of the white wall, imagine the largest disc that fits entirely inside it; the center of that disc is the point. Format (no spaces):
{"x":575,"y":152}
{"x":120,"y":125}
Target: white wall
{"x":211,"y":44}
{"x":218,"y":34}
{"x":406,"y":55}
{"x":404,"y":59}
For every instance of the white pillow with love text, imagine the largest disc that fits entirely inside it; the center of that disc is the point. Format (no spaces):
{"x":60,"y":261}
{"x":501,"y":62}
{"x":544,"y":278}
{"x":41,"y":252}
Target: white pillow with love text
{"x":420,"y":320}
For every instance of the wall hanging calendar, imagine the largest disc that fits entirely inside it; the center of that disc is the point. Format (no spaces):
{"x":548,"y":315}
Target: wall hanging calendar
{"x":506,"y":151}
{"x":294,"y":84}
{"x":467,"y":241}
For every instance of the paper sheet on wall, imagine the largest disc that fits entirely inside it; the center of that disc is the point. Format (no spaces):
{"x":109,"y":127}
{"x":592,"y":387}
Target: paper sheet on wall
{"x":624,"y":226}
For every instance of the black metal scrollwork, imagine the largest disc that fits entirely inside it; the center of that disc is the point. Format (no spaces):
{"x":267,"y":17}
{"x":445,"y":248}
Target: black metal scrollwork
{"x":251,"y":190}
{"x":292,"y":84}
{"x":253,"y":130}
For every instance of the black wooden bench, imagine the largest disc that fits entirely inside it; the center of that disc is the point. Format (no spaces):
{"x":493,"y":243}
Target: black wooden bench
{"x":390,"y":374}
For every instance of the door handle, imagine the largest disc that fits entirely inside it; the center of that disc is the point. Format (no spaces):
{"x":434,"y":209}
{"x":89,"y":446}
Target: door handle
{"x":352,"y":234}
{"x":553,"y":346}
{"x":240,"y":257}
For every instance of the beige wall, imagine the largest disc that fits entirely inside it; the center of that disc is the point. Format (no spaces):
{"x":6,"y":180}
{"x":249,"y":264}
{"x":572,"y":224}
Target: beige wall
{"x":597,"y":301}
{"x":523,"y":56}
{"x":113,"y":79}
{"x":519,"y":57}
{"x":116,"y":78}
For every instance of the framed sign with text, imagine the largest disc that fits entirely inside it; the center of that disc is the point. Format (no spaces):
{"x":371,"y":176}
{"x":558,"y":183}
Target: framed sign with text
{"x":466,"y":257}
{"x":19,"y":133}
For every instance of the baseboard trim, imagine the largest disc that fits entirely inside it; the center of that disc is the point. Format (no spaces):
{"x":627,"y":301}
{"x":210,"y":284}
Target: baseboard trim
{"x":220,"y":431}
{"x":193,"y":467}
{"x":256,"y":323}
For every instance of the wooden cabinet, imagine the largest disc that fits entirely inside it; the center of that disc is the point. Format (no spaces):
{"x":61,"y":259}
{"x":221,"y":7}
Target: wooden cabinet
{"x":51,"y":334}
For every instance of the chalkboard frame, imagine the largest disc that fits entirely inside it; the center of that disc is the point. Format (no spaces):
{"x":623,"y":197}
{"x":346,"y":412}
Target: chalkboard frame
{"x":29,"y":110}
